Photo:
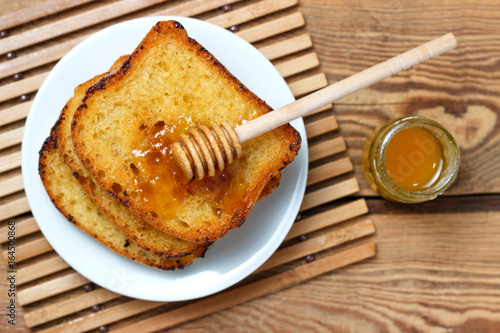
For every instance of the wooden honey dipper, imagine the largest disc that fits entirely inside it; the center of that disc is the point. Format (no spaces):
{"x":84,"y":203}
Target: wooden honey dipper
{"x":207,"y":149}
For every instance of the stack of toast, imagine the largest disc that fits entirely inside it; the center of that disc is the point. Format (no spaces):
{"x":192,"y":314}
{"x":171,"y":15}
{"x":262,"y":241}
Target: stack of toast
{"x":108,"y":166}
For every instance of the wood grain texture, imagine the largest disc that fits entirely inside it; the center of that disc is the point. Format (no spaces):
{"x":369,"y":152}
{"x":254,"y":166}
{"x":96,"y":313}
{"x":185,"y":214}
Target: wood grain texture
{"x":251,"y":12}
{"x":38,"y":57}
{"x":431,"y":274}
{"x":329,"y":170}
{"x":48,"y":288}
{"x":29,"y":249}
{"x":274,"y":27}
{"x":319,"y":243}
{"x":329,"y":193}
{"x":14,"y":205}
{"x":287,"y":46}
{"x":10,"y":161}
{"x":321,"y":126}
{"x":259,"y":288}
{"x":326,"y":148}
{"x":80,"y":21}
{"x":11,"y":183}
{"x":327,"y":218}
{"x":307,"y":85}
{"x":68,"y":306}
{"x":51,"y":288}
{"x":22,"y":87}
{"x":48,"y":265}
{"x":24,"y":226}
{"x":458,"y":89}
{"x":14,"y":113}
{"x":11,"y":138}
{"x":37,"y":11}
{"x":437,"y":267}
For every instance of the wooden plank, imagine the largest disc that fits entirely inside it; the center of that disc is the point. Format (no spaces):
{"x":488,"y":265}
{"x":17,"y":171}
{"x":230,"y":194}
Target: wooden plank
{"x":297,"y":65}
{"x":250,"y":291}
{"x":24,"y":86}
{"x":50,"y":288}
{"x":14,"y":113}
{"x":65,"y":307}
{"x":40,"y":269}
{"x":308,"y":84}
{"x":10,"y":161}
{"x":12,"y":184}
{"x":286,"y":47}
{"x":14,"y":207}
{"x":68,"y":306}
{"x":55,"y":52}
{"x":328,"y":218}
{"x":24,"y":226}
{"x":250,"y":12}
{"x":340,"y":213}
{"x":324,"y":108}
{"x":193,"y":8}
{"x":329,"y":170}
{"x":39,"y":57}
{"x":319,"y":243}
{"x":326,"y":148}
{"x":29,"y":85}
{"x":56,"y":311}
{"x":330,"y":193}
{"x":321,"y":126}
{"x":39,"y":10}
{"x":11,"y":138}
{"x":272,"y":28}
{"x":73,"y":23}
{"x":109,"y":315}
{"x":30,"y":249}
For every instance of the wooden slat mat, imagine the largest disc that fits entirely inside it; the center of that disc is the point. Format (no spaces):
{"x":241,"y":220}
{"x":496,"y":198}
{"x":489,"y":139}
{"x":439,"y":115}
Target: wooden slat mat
{"x":331,"y":231}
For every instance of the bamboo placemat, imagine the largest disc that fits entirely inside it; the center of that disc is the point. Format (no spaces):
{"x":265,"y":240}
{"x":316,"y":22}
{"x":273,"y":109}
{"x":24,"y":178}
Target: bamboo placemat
{"x":331,"y":230}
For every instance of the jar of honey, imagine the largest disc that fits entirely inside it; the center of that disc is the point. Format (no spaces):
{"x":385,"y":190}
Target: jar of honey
{"x":411,"y":160}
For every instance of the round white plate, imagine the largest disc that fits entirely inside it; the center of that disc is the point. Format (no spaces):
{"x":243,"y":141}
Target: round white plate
{"x":231,"y":258}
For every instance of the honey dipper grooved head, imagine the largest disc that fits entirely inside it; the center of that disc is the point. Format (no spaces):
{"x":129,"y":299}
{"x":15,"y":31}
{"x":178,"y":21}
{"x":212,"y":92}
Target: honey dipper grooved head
{"x":206,"y":149}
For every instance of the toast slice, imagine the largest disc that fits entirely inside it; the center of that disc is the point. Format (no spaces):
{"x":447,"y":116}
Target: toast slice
{"x":124,"y":128}
{"x":66,"y":193}
{"x":138,"y":231}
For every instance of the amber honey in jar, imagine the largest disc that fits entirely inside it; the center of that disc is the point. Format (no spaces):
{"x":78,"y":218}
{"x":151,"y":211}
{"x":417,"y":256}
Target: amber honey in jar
{"x":411,"y":160}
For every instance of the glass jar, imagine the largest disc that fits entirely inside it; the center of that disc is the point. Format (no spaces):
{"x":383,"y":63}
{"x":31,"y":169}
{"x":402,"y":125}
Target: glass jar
{"x":418,"y":148}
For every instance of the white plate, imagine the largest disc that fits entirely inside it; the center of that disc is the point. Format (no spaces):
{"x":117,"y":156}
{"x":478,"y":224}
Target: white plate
{"x":231,"y":258}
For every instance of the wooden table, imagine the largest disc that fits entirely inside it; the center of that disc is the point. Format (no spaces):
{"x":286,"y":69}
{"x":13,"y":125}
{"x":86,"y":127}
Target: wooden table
{"x":437,"y":265}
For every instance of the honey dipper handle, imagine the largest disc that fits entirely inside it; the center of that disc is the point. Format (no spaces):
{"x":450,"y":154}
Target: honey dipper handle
{"x":334,"y":92}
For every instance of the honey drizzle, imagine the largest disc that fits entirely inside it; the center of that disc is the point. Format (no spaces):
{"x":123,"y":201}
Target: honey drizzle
{"x":161,"y":187}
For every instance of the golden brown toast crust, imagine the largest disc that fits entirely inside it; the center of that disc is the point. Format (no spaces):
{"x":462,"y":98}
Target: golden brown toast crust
{"x":71,"y":201}
{"x":221,"y":203}
{"x":138,"y":231}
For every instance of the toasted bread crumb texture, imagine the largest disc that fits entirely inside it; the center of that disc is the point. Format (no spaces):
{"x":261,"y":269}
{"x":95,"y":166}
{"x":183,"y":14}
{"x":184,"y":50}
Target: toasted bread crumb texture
{"x":77,"y":207}
{"x":138,"y":231}
{"x":124,"y":128}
